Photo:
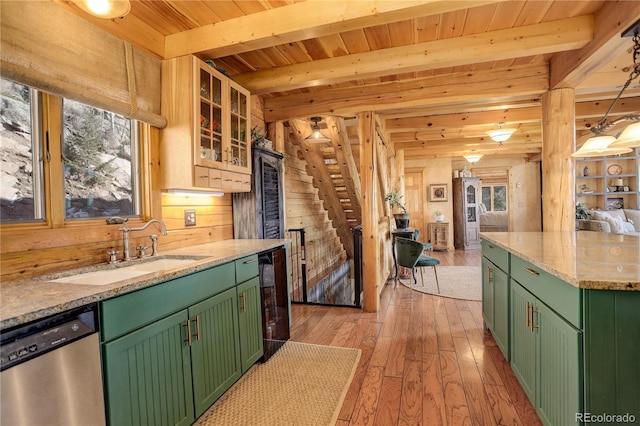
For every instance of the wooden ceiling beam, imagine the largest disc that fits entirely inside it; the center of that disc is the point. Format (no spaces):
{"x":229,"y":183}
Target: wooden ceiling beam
{"x":465,"y":142}
{"x":411,"y":154}
{"x":522,"y":81}
{"x":570,"y":69}
{"x":301,"y":21}
{"x":457,"y":121}
{"x":528,"y":40}
{"x":586,"y":112}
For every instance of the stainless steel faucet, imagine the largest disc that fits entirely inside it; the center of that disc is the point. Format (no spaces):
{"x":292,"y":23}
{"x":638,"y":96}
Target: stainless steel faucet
{"x":125,"y":234}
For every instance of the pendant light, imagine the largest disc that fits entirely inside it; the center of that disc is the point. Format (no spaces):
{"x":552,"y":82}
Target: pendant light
{"x":630,"y":136}
{"x":316,"y":135}
{"x":599,"y":146}
{"x":500,"y":135}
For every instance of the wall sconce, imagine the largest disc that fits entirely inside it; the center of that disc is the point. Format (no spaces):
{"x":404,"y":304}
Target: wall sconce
{"x":630,"y":136}
{"x":500,"y":135}
{"x":473,"y":157}
{"x":107,"y":9}
{"x":316,"y":135}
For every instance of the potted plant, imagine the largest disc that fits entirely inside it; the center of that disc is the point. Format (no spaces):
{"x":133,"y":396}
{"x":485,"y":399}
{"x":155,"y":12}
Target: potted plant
{"x":439,"y":216}
{"x":259,"y":139}
{"x":402,"y":217}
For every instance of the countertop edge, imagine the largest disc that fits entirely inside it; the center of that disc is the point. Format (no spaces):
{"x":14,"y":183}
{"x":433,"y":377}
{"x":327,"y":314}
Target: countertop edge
{"x":99,"y":293}
{"x":588,"y":284}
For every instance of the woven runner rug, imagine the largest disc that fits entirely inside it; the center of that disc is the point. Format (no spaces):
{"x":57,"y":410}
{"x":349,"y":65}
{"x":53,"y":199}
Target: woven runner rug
{"x":301,"y":384}
{"x":458,"y":282}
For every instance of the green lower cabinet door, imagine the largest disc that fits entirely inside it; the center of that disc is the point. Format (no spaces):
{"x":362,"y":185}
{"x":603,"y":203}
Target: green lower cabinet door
{"x":488,"y":270}
{"x":523,"y":340}
{"x":501,"y":311}
{"x":250,"y":320}
{"x":215,"y":349}
{"x":148,"y":375}
{"x":560,"y":369}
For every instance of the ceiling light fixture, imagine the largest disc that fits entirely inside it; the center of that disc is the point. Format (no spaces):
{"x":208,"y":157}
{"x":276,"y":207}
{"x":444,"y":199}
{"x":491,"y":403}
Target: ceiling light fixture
{"x":316,"y":135}
{"x":501,"y":135}
{"x":107,"y":9}
{"x":630,"y":136}
{"x":473,"y":157}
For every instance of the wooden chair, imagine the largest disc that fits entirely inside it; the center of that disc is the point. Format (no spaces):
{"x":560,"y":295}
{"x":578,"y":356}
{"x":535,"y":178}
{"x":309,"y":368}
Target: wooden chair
{"x":410,"y":254}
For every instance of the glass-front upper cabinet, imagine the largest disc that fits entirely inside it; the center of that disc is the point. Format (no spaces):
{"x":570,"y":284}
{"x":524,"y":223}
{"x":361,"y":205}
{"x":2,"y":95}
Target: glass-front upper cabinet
{"x":211,"y":126}
{"x":223,"y":122}
{"x":206,"y":144}
{"x":239,"y":128}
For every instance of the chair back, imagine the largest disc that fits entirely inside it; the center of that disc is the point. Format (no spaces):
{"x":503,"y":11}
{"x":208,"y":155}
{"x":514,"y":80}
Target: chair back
{"x":408,"y":251}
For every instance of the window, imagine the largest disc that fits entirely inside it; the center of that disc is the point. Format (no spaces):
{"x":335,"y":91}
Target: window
{"x":96,"y":158}
{"x":21,"y":172}
{"x":494,"y":197}
{"x":99,"y":151}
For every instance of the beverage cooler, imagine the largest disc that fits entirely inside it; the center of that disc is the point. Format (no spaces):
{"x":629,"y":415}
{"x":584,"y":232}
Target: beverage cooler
{"x":275,"y":300}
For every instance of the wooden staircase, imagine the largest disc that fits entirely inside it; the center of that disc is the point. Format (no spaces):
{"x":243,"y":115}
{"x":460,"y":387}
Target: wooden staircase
{"x":335,"y":174}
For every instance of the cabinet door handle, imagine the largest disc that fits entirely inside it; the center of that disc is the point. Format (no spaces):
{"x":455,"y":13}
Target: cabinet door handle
{"x":528,"y":316}
{"x":533,"y":324}
{"x":197,"y":335}
{"x":531,"y":271}
{"x":187,"y":325}
{"x":243,"y":307}
{"x":246,"y":262}
{"x":489,"y":246}
{"x":490,"y":272}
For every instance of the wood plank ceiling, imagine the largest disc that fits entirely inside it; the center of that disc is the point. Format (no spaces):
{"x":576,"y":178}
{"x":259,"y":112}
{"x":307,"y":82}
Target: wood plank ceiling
{"x":439,"y":73}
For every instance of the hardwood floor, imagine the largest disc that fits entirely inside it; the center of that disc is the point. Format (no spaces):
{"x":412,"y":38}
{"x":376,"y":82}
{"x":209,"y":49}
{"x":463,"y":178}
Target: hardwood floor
{"x":425,"y":359}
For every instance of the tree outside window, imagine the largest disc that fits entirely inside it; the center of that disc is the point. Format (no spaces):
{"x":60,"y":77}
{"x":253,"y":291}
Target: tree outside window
{"x":100,"y":162}
{"x":21,"y":177}
{"x":98,"y":171}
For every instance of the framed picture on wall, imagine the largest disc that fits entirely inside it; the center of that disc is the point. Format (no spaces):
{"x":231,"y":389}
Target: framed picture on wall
{"x":438,"y":192}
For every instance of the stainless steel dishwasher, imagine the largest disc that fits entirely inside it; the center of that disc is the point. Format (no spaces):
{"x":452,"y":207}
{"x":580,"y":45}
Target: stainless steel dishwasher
{"x":50,"y":371}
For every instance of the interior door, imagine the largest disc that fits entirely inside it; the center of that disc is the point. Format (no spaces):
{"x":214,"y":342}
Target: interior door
{"x":414,"y":201}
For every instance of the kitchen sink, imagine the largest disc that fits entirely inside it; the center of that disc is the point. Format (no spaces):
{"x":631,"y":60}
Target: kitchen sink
{"x":109,"y":274}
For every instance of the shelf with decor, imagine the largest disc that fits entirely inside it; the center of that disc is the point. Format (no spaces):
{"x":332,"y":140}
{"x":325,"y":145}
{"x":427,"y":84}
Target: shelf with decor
{"x":206,"y":144}
{"x":608,"y":183}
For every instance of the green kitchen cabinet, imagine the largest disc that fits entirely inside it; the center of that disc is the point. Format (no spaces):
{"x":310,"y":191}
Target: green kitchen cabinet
{"x":172,"y":349}
{"x":215,"y":348}
{"x":495,"y":295}
{"x":250,"y":322}
{"x":523,"y":342}
{"x":546,"y":357}
{"x":148,"y":375}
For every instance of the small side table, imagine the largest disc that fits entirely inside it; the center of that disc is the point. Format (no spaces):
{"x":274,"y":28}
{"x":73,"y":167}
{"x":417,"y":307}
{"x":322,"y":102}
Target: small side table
{"x":439,"y":235}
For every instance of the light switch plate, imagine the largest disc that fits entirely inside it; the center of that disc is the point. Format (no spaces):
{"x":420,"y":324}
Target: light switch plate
{"x":189,"y":218}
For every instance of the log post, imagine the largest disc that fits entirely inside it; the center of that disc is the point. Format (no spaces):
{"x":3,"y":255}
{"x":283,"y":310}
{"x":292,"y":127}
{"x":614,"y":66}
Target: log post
{"x":370,"y":234}
{"x":558,"y":167}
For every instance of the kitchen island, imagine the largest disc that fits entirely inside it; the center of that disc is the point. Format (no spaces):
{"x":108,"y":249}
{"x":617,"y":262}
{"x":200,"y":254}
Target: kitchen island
{"x":564,"y":308}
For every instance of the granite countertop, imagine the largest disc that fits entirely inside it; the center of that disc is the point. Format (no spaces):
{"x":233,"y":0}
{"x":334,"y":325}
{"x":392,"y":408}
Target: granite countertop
{"x":584,"y":259}
{"x":26,"y":300}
